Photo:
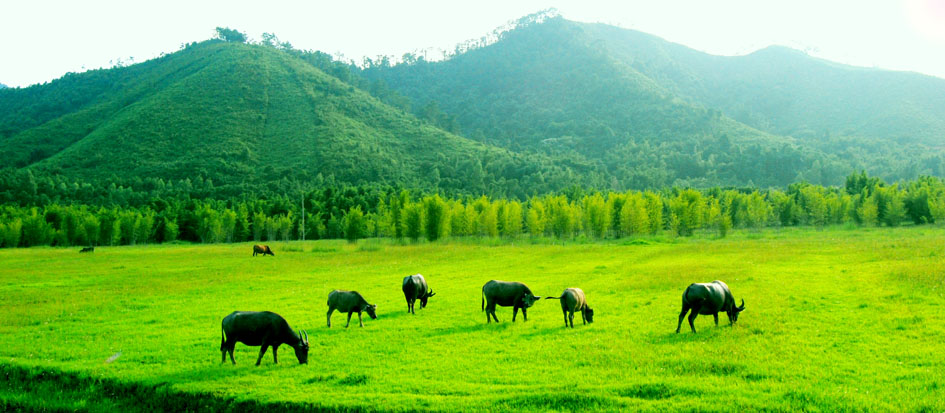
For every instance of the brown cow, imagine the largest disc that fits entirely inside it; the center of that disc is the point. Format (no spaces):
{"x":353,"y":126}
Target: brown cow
{"x":573,"y":299}
{"x":262,"y":249}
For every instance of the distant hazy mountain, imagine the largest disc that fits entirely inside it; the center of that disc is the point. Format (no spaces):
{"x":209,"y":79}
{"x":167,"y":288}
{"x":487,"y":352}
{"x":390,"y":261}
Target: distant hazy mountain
{"x":642,"y":105}
{"x":787,"y":92}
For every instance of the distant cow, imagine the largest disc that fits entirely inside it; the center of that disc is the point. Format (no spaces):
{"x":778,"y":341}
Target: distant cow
{"x":262,"y":249}
{"x":262,"y":329}
{"x":87,"y":249}
{"x":573,"y":299}
{"x":349,"y":302}
{"x":506,"y":293}
{"x":415,"y":288}
{"x":709,"y":298}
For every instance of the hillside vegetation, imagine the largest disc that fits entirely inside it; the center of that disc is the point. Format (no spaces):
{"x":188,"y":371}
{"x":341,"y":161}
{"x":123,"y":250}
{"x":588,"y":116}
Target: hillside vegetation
{"x":246,"y":115}
{"x":547,"y":105}
{"x":653,"y":113}
{"x":835,"y":320}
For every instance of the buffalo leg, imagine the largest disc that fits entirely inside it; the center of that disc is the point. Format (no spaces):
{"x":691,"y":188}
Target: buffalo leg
{"x":360,"y":324}
{"x":231,"y":355}
{"x":716,"y":315}
{"x":565,"y":312}
{"x":224,"y":355}
{"x":261,"y":352}
{"x":330,"y":310}
{"x":692,"y":317}
{"x":571,"y":318}
{"x":583,"y":317}
{"x":349,"y":320}
{"x":490,"y":311}
{"x":408,"y":306}
{"x":275,"y":357}
{"x":514,"y":313}
{"x":682,"y":315}
{"x":524,"y":314}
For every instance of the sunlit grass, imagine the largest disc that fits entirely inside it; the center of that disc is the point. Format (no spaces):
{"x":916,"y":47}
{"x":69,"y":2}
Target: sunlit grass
{"x":836,"y":319}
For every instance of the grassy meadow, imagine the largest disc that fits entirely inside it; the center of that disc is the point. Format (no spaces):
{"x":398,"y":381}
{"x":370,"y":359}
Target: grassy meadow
{"x":839,"y":319}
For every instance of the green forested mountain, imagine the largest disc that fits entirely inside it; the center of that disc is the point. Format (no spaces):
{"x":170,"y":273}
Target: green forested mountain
{"x":551,"y":104}
{"x":244,"y":116}
{"x":656,"y":113}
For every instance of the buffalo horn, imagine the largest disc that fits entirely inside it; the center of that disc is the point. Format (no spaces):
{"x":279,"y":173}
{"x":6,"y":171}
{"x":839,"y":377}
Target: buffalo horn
{"x":742,"y":307}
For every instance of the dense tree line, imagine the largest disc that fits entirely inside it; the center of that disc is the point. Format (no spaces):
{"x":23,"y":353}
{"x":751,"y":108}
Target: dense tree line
{"x":360,"y":212}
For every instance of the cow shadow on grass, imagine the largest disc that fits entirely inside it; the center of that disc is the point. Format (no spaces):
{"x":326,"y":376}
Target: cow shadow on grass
{"x":468,"y":328}
{"x":388,"y":316}
{"x":687,"y":336}
{"x":225,"y":371}
{"x":543,"y":331}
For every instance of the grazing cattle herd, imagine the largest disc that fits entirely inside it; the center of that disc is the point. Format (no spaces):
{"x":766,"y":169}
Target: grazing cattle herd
{"x":268,"y":329}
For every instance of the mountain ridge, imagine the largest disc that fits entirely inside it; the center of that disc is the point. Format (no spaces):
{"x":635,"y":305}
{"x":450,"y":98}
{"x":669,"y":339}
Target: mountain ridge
{"x":548,"y":106}
{"x":768,"y":103}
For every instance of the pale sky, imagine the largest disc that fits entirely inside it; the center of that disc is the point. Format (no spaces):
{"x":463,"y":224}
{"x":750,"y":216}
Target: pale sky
{"x":41,"y":40}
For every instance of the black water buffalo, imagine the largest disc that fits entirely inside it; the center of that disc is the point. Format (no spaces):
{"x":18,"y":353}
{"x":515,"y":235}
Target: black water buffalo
{"x":262,"y":329}
{"x":506,"y":293}
{"x":573,"y":299}
{"x":262,"y":249}
{"x":87,"y":249}
{"x":709,"y":298}
{"x":415,"y":288}
{"x":349,"y":302}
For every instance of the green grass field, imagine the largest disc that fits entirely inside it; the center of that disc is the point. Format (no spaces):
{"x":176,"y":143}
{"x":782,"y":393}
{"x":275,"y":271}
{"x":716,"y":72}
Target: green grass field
{"x":836,"y":320}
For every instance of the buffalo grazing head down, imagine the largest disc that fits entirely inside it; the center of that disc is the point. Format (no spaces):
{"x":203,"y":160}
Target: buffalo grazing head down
{"x":371,"y":310}
{"x":734,"y":311}
{"x":301,"y":349}
{"x":423,"y":300}
{"x":709,"y":299}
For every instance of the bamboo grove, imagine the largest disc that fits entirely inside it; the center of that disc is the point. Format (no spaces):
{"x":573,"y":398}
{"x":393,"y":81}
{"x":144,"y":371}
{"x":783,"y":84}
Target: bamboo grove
{"x":355,"y":213}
